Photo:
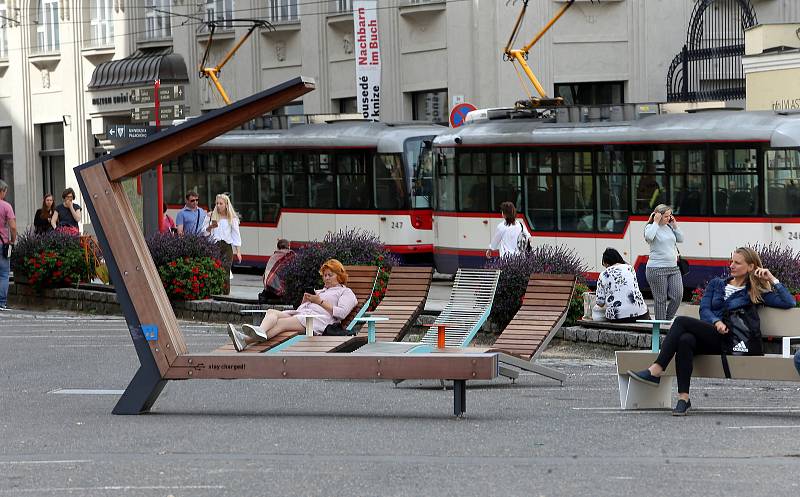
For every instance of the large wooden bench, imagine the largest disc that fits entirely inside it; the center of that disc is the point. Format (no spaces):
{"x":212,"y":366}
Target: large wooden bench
{"x":157,"y":338}
{"x":776,"y":324}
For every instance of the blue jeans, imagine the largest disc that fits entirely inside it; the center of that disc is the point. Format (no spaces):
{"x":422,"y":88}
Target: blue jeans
{"x":5,"y":267}
{"x":797,"y":361}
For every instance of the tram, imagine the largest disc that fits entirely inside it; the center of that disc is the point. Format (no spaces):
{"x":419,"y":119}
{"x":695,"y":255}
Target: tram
{"x":302,"y":182}
{"x":733,"y":178}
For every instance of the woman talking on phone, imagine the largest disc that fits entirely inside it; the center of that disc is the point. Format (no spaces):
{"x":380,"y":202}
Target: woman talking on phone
{"x":663,"y":276}
{"x":224,"y":229}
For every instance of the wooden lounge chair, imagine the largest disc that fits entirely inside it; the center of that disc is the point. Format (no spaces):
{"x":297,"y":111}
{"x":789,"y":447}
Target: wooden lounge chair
{"x":160,"y":346}
{"x":544,"y":308}
{"x":404,"y":301}
{"x":361,"y":279}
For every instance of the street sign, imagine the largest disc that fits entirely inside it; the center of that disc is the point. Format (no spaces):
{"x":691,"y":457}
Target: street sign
{"x":459,"y":114}
{"x":166,"y":113}
{"x":169,"y":93}
{"x":124,"y":133}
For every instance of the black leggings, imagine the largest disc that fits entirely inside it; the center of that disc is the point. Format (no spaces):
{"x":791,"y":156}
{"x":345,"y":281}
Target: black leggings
{"x":688,"y":337}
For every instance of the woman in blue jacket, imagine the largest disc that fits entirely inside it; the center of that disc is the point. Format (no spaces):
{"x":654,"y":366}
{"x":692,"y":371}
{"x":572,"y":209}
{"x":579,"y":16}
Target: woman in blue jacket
{"x":749,"y":283}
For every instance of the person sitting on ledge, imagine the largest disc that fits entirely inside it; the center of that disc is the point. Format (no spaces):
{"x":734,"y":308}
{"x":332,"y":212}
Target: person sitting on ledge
{"x":618,"y":294}
{"x":329,"y":305}
{"x":749,"y":283}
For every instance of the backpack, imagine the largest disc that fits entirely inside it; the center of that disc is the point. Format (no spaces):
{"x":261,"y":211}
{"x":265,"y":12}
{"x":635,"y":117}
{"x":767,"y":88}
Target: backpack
{"x":523,"y":242}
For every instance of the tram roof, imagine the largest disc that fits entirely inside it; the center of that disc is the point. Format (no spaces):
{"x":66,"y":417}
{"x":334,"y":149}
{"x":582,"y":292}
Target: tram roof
{"x":385,"y":137}
{"x":779,"y":130}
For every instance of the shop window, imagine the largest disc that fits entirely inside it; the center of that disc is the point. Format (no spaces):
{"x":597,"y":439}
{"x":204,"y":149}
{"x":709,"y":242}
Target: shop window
{"x":430,"y":106}
{"x":601,"y":93}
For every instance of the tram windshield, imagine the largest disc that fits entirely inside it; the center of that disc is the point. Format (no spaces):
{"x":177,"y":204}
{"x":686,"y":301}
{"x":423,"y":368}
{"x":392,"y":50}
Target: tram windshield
{"x":420,"y":163}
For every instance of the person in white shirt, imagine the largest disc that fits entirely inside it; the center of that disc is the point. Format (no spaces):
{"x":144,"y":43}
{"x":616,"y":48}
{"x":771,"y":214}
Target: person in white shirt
{"x":511,"y":236}
{"x":618,"y":294}
{"x":224,"y":230}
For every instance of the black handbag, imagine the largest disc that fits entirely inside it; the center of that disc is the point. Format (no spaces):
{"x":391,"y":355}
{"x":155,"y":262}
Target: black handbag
{"x":337,"y":330}
{"x":683,"y":265}
{"x":743,"y":337}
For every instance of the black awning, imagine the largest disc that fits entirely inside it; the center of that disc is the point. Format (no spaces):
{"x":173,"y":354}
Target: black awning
{"x":140,"y":69}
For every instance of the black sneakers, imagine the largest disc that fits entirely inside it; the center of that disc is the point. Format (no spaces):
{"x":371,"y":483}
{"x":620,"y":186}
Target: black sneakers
{"x":682,"y":407}
{"x":645,"y":377}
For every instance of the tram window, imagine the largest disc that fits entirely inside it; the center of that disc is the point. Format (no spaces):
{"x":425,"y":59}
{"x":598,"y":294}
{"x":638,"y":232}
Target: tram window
{"x":688,"y":194}
{"x":173,"y":189}
{"x":473,"y":193}
{"x":390,"y":190}
{"x":445,"y":198}
{"x":735,"y":194}
{"x":613,"y":193}
{"x":323,"y":191}
{"x":244,"y":195}
{"x":648,"y":182}
{"x":783,"y":182}
{"x":197,"y":182}
{"x":352,"y":182}
{"x":506,"y":189}
{"x":504,"y":163}
{"x":575,"y":212}
{"x":611,"y":161}
{"x":217,"y":183}
{"x":540,"y":202}
{"x":735,"y":160}
{"x":688,"y":161}
{"x":270,"y":197}
{"x":471,"y":163}
{"x":268,"y":163}
{"x":423,"y":181}
{"x":537,"y":162}
{"x":574,"y":162}
{"x":295,"y":190}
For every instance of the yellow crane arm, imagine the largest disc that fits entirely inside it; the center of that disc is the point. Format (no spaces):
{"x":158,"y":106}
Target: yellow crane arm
{"x":521,"y":55}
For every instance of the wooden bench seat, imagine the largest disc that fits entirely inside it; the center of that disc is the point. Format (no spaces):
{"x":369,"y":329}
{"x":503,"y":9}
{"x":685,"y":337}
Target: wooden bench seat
{"x":775,"y":324}
{"x":406,"y":294}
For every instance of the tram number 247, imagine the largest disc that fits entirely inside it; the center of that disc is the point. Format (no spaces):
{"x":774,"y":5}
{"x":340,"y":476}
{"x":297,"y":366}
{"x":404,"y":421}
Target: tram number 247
{"x":397,"y":225}
{"x":793,"y":235}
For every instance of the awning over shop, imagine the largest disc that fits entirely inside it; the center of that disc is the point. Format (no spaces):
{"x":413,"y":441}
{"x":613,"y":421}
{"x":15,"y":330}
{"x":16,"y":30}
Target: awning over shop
{"x":140,"y":69}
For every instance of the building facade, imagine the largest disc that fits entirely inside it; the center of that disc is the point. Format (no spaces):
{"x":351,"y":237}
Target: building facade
{"x":57,"y":108}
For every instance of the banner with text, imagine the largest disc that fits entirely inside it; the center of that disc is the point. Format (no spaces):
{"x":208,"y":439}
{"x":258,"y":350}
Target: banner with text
{"x":368,"y":58}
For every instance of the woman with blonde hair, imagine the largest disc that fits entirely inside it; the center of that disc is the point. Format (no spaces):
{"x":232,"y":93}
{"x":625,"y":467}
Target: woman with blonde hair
{"x":331,"y":304}
{"x":663,"y":276}
{"x":749,"y":285}
{"x":224,"y":229}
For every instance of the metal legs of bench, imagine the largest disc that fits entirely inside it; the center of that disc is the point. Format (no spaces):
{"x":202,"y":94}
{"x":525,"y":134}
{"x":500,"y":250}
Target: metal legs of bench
{"x":459,"y":397}
{"x":507,"y":359}
{"x":636,"y":395}
{"x":142,"y":392}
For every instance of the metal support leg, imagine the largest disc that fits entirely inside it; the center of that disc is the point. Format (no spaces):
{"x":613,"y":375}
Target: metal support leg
{"x":459,"y":397}
{"x":655,"y":342}
{"x":142,"y":392}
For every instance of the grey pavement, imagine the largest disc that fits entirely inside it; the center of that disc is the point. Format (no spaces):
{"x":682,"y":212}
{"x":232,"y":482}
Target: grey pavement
{"x":363,"y":438}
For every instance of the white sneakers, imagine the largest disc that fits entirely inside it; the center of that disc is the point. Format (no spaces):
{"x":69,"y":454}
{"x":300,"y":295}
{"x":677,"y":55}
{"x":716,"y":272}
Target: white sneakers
{"x":239,"y":338}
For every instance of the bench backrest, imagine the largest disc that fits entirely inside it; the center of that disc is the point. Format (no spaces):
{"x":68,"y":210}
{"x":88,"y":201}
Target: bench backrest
{"x":467,"y":308}
{"x":543,"y":311}
{"x":361,"y":280}
{"x":774,"y":322}
{"x":406,"y":294}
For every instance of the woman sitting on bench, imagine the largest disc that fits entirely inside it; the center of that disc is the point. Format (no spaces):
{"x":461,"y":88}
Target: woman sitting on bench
{"x":748,"y":283}
{"x":329,"y":305}
{"x":618,"y":295}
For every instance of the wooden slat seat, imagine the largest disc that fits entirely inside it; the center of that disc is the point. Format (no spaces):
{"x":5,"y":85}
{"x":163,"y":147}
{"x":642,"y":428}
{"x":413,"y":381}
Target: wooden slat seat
{"x":406,"y":294}
{"x":543,"y":311}
{"x":361,"y":280}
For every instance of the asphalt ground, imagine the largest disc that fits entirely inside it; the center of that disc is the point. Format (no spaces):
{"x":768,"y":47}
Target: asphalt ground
{"x":363,"y":438}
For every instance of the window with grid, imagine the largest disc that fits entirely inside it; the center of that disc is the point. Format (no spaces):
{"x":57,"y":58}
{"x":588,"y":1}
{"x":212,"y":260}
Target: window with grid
{"x":783,"y":182}
{"x":283,"y":10}
{"x":157,"y":23}
{"x":47,"y":35}
{"x":220,"y":11}
{"x":734,"y":181}
{"x":575,"y":191}
{"x":341,"y":5}
{"x":102,"y":23}
{"x":3,"y":30}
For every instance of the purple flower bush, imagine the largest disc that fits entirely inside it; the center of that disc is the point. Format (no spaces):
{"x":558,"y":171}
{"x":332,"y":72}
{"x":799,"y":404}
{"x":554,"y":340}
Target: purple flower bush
{"x":54,"y":259}
{"x":167,"y":247}
{"x":516,"y":270}
{"x":350,"y":247}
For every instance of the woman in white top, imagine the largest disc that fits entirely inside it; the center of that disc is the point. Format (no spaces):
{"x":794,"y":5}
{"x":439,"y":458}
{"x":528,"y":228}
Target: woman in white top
{"x":510,"y":236}
{"x":224,"y":229}
{"x":618,"y":293}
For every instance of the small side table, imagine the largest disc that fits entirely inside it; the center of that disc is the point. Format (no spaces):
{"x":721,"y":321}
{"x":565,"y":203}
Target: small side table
{"x":309,"y":322}
{"x":371,"y":320}
{"x":655,"y":343}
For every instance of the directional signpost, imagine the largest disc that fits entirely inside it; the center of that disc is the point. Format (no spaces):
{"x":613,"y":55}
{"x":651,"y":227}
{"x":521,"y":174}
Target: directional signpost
{"x":165,"y":113}
{"x":170,"y":93}
{"x":126,"y":133}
